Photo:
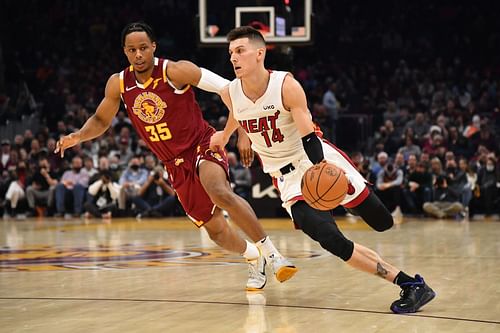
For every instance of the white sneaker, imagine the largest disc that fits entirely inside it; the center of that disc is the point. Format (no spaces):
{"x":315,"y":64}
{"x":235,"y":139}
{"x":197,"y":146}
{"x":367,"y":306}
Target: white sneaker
{"x":256,"y":274}
{"x":282,"y":268}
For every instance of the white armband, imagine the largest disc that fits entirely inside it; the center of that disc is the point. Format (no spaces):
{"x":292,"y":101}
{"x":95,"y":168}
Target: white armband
{"x":211,"y":82}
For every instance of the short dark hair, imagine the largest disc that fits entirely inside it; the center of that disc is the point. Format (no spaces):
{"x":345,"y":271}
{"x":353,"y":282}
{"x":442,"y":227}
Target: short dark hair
{"x":138,"y":26}
{"x":246,"y":32}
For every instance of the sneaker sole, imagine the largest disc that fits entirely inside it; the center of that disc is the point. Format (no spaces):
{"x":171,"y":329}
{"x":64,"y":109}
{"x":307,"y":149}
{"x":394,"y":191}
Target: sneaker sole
{"x":286,"y":273}
{"x":254,"y":289}
{"x":413,"y":310}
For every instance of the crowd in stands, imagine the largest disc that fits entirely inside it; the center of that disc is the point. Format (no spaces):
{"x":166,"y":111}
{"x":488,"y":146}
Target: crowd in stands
{"x":432,"y":96}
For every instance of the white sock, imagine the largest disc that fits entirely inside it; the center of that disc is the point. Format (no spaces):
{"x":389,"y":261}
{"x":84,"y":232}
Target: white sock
{"x":267,"y":248}
{"x":252,"y":252}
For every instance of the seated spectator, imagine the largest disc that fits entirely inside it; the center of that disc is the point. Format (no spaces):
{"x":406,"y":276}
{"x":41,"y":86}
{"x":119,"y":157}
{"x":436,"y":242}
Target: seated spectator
{"x":88,"y":166}
{"x":418,"y":188}
{"x":131,"y":181}
{"x":40,"y":191}
{"x":388,"y":187}
{"x":470,"y":184}
{"x":488,"y":180}
{"x":473,"y":127}
{"x":409,"y":148}
{"x":102,"y":198}
{"x":15,"y":191}
{"x":435,"y":146}
{"x":457,"y":143}
{"x":5,"y":160}
{"x":124,"y":153}
{"x":73,"y":184}
{"x":155,"y":198}
{"x":446,"y":202}
{"x":419,"y":125}
{"x":381,"y":162}
{"x":399,"y":162}
{"x":241,"y":177}
{"x":436,"y":168}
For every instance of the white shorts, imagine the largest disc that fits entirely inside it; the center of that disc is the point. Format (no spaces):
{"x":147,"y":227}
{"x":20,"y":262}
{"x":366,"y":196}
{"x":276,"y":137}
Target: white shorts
{"x":289,"y":185}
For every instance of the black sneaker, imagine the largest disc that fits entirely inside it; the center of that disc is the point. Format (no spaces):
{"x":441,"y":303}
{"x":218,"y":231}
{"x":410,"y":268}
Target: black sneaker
{"x":414,"y":295}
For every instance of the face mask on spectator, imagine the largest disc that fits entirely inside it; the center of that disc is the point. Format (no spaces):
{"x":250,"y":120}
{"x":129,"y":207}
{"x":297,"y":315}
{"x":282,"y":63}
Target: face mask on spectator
{"x":77,"y":169}
{"x":490,"y":167}
{"x":134,"y":167}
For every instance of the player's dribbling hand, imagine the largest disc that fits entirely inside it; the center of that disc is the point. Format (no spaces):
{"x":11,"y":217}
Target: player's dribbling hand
{"x":66,"y":142}
{"x":245,"y":148}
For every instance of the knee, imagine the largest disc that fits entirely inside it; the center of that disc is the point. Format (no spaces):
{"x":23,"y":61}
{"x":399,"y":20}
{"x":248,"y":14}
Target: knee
{"x":385,"y":222}
{"x":221,"y":196}
{"x":217,"y":234}
{"x":320,"y":227}
{"x":427,"y":205}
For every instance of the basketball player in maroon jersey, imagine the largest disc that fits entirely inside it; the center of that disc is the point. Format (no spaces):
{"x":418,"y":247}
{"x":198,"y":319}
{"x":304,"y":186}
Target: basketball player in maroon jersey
{"x":271,"y":107}
{"x":162,"y":107}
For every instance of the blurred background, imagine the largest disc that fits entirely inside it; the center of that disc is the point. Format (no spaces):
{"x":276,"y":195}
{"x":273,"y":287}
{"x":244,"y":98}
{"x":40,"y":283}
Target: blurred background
{"x":409,"y":89}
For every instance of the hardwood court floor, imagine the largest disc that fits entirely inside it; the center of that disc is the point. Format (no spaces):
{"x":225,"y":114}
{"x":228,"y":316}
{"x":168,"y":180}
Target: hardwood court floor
{"x":167,"y":276}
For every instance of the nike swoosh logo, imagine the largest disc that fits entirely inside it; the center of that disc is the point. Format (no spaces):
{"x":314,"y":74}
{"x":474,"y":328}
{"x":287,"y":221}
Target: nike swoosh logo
{"x":130,"y":88}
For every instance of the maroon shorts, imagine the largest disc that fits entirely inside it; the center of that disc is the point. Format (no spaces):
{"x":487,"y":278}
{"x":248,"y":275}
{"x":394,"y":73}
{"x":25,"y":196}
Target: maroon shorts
{"x":183,"y":175}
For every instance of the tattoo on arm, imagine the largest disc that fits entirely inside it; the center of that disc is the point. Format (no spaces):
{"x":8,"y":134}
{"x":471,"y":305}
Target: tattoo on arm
{"x":381,"y":271}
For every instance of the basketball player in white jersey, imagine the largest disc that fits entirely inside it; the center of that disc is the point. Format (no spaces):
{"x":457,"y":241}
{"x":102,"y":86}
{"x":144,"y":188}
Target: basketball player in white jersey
{"x":271,"y":107}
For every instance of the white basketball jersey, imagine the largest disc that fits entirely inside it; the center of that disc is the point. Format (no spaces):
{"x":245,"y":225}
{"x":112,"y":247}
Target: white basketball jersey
{"x":268,"y":124}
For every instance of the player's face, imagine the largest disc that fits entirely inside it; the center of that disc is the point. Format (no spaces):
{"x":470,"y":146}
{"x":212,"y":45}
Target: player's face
{"x":245,"y":56}
{"x":139,"y":50}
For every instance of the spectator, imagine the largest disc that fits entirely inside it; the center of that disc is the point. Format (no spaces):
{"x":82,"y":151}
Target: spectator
{"x":472,"y":128}
{"x":40,"y":192}
{"x":418,"y":189}
{"x":241,"y":177}
{"x":470,"y":183}
{"x":73,"y":184}
{"x":88,"y":166}
{"x":399,"y":162}
{"x":124,"y":153}
{"x":15,"y":191}
{"x":120,"y":121}
{"x":419,"y":125}
{"x":389,"y":182}
{"x":489,"y":181}
{"x":446,"y":202}
{"x":457,"y":143}
{"x":409,"y":148}
{"x":332,"y":107}
{"x":103,"y":196}
{"x":381,"y":162}
{"x":436,"y":168}
{"x":155,"y":198}
{"x":5,"y":161}
{"x":131,"y":181}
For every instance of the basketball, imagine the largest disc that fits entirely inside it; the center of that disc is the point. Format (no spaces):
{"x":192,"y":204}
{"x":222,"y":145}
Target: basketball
{"x":324,"y":186}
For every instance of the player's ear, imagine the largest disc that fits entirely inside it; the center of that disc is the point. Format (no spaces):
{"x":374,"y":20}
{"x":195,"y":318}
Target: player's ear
{"x":153,"y":46}
{"x":261,"y":52}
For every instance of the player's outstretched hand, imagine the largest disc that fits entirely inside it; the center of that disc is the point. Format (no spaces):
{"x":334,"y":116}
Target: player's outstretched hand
{"x":66,"y":142}
{"x":245,"y":148}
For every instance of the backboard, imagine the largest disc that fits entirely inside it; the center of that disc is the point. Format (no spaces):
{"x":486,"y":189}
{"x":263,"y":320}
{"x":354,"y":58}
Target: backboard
{"x":280,"y":21}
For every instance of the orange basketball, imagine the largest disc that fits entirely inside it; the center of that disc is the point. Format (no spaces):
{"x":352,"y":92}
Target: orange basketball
{"x":324,"y":186}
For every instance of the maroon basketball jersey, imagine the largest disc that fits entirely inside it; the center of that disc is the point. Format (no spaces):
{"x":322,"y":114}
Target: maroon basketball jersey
{"x":167,"y":119}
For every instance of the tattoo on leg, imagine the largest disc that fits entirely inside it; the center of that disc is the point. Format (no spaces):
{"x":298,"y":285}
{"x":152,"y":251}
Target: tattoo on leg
{"x":381,"y":271}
